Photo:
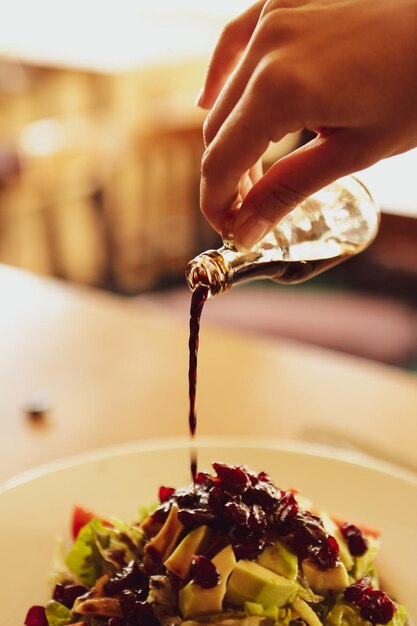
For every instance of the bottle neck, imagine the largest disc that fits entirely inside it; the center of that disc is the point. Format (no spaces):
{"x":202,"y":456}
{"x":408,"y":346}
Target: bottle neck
{"x":219,"y":270}
{"x":209,"y":269}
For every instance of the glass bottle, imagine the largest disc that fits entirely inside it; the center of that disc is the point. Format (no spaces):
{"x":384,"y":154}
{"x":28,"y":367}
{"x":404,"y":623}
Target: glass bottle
{"x":330,"y":226}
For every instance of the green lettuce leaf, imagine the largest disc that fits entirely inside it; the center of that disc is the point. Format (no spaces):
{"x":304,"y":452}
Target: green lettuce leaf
{"x":57,"y":614}
{"x":145,"y":511}
{"x":94,"y":551}
{"x":85,"y":560}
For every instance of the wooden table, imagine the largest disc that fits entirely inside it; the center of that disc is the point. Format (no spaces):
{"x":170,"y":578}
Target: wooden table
{"x":115,"y":371}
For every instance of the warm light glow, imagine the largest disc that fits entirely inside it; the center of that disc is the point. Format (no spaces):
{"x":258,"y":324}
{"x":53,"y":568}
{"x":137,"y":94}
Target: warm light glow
{"x":393,"y":183}
{"x":113,"y":35}
{"x":43,"y":137}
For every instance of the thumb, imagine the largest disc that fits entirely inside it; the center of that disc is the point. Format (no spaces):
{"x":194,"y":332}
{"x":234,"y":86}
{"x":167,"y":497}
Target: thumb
{"x":295,"y":177}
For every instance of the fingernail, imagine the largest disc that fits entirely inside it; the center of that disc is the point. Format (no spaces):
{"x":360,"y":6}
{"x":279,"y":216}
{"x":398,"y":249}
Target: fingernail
{"x":250,"y":232}
{"x":199,"y":98}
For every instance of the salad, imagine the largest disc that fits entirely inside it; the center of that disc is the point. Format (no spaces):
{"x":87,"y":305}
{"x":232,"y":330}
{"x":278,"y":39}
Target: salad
{"x":231,"y":549}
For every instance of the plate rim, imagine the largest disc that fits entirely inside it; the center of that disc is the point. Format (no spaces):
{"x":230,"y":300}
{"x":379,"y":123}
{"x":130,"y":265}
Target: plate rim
{"x":352,"y":457}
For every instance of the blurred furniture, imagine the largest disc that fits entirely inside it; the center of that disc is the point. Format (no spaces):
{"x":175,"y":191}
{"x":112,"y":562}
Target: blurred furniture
{"x":99,"y":174}
{"x":106,"y":136}
{"x":82,"y":369}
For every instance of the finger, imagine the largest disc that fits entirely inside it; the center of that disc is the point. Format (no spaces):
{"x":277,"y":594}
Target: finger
{"x":271,"y":31}
{"x":297,"y":176}
{"x":245,"y":185}
{"x":256,"y":172}
{"x":261,"y":115}
{"x":231,"y":44}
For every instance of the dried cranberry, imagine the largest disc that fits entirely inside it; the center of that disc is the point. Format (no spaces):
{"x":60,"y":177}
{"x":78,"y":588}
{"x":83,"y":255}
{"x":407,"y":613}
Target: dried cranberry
{"x":355,"y":592}
{"x":238,"y":512}
{"x":248,"y":550}
{"x":67,"y":594}
{"x":161,"y":513}
{"x":139,"y":613}
{"x":357,"y":543}
{"x":257,"y":522}
{"x":266,"y":495}
{"x":36,"y":616}
{"x":308,"y":538}
{"x":374,"y":605}
{"x":189,"y":497}
{"x":377,"y":608}
{"x":263,"y":477}
{"x":205,"y":479}
{"x":326,"y":553}
{"x":165,"y":493}
{"x":204,"y":572}
{"x":131,"y":577}
{"x":285,"y":514}
{"x":217,"y":499}
{"x":191,"y":518}
{"x":232,"y":477}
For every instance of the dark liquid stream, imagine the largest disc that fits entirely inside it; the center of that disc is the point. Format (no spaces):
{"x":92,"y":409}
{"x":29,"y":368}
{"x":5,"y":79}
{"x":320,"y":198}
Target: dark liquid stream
{"x":198,"y":299}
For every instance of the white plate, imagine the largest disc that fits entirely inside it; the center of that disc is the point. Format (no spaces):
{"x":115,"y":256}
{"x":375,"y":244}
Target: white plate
{"x":36,"y":508}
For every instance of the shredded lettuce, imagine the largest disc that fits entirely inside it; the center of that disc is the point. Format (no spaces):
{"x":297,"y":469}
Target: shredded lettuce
{"x":282,"y":617}
{"x":57,"y":614}
{"x":344,"y":615}
{"x":307,"y":614}
{"x":364,"y":564}
{"x":305,"y":593}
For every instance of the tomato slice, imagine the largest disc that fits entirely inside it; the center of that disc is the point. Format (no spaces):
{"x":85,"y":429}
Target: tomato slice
{"x":81,"y":517}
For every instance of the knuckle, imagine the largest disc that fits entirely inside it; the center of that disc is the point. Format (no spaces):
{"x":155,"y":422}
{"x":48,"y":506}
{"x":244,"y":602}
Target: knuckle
{"x":229,"y":32}
{"x":269,"y":6}
{"x":267,"y":28}
{"x":279,"y":76}
{"x":276,"y":29}
{"x":266,"y":74}
{"x":273,"y":5}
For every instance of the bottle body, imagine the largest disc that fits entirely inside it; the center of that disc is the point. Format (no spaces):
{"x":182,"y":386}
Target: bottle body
{"x":335,"y":223}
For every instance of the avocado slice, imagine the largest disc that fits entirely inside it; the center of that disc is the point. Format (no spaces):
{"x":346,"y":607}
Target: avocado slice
{"x":324,"y":581}
{"x":195,"y":600}
{"x":306,"y":612}
{"x":179,"y":562}
{"x":161,"y":546}
{"x":280,"y":560}
{"x":251,"y":582}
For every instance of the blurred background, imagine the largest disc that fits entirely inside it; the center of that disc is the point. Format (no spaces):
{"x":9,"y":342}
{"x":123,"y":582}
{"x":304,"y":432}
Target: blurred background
{"x":100,"y":148}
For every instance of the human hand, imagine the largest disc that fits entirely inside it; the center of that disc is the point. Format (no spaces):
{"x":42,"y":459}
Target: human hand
{"x":345,"y":68}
